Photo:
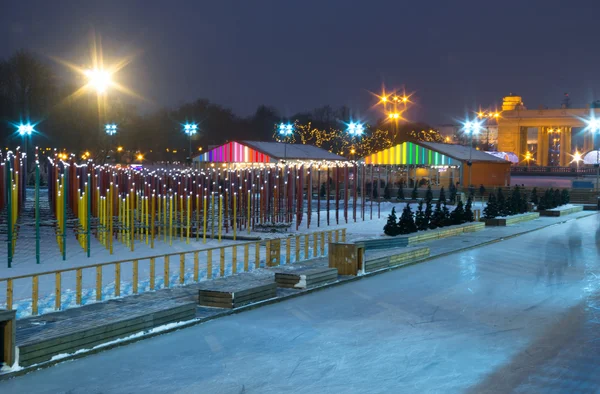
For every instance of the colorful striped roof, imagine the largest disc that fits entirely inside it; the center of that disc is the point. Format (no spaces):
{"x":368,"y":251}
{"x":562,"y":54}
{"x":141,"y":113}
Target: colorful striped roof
{"x":409,"y":153}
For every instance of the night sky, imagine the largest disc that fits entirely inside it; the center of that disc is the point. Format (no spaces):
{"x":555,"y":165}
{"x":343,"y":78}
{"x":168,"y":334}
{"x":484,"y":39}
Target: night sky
{"x":297,"y":55}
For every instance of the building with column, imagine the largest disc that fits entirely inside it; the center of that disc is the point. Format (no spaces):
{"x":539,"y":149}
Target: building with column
{"x":554,"y":131}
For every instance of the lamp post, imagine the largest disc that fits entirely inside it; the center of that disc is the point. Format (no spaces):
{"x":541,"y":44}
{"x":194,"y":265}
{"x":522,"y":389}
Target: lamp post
{"x":190,"y":129}
{"x":285,"y":130}
{"x":471,"y":128}
{"x":110,"y":129}
{"x":25,"y":131}
{"x":355,"y":130}
{"x":594,"y":127}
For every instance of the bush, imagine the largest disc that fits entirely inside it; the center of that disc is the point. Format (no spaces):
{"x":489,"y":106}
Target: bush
{"x":420,"y":220}
{"x":458,"y":215}
{"x":491,"y":209}
{"x":406,"y":225}
{"x":391,"y":227}
{"x":429,"y":194}
{"x":468,"y":211}
{"x":428,"y":214}
{"x":387,"y":194}
{"x":414,"y":192}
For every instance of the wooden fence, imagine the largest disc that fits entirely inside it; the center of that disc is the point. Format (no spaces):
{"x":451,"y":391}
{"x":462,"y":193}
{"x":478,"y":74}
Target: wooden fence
{"x":295,"y":248}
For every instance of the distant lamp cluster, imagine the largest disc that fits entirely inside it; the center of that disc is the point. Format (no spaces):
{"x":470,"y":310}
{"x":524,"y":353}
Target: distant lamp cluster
{"x":25,"y":129}
{"x":356,"y":129}
{"x":111,"y":129}
{"x":190,"y":128}
{"x":286,"y":129}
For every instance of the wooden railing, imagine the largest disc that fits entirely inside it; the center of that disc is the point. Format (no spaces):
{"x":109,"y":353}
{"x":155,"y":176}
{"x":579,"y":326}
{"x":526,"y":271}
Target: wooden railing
{"x":272,"y":257}
{"x":536,"y":170}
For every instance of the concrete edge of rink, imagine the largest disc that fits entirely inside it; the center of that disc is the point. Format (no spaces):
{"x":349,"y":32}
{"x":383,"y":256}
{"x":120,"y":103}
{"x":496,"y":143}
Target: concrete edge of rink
{"x":194,"y":322}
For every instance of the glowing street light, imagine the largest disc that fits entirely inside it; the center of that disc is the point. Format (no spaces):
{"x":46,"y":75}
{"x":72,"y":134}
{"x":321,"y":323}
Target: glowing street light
{"x":594,"y":127}
{"x":190,"y":129}
{"x":25,"y":129}
{"x":140,"y":157}
{"x":471,"y":128}
{"x":286,"y":131}
{"x":577,"y":157}
{"x":356,"y":129}
{"x":98,"y":79}
{"x":110,"y":128}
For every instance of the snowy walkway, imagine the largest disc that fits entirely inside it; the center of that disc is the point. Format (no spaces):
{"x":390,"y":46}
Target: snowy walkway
{"x":516,"y":315}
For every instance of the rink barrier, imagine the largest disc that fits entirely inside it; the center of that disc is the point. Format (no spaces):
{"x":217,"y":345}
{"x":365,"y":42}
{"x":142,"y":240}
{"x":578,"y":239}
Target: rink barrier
{"x":272,"y":257}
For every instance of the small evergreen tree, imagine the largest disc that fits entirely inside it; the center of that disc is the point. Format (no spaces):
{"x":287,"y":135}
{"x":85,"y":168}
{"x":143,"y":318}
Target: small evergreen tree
{"x":414,"y":194}
{"x":468,"y":217}
{"x":446,"y":220}
{"x":523,"y":203}
{"x":452,"y":189}
{"x":437,"y":217}
{"x":557,"y":198}
{"x":428,"y":214}
{"x":566,"y":198}
{"x":407,"y":225}
{"x":322,"y":191}
{"x":400,"y":195}
{"x":391,"y":227}
{"x":491,"y":209}
{"x":481,"y":191}
{"x":550,"y":198}
{"x":515,"y":201}
{"x":543,"y":202}
{"x":442,"y":195}
{"x":375,"y":191}
{"x":429,"y":194}
{"x":501,"y":207}
{"x":534,"y":197}
{"x":387,"y":194}
{"x":458,"y":215}
{"x":420,"y":220}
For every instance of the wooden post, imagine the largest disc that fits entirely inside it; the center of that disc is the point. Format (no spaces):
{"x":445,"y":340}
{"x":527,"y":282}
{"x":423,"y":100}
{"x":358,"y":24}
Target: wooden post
{"x":78,"y":280}
{"x":234,"y":259}
{"x":268,"y":256}
{"x":306,"y":245}
{"x":98,"y":283}
{"x":337,"y":236}
{"x":117,"y":279}
{"x":34,"y":295}
{"x":257,"y":255}
{"x":135,"y":277}
{"x":196,"y":268}
{"x":315,"y":244}
{"x":166,"y":272}
{"x":152,"y":272}
{"x":222,"y":261}
{"x":288,"y":246}
{"x":209,"y":264}
{"x":297,"y":249}
{"x":57,"y":291}
{"x":246,"y":248}
{"x":322,"y":243}
{"x":9,"y":294}
{"x":343,"y":235}
{"x":181,"y":268}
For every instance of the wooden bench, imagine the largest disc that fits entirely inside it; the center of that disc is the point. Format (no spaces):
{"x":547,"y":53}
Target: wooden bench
{"x":7,"y":336}
{"x":561,"y":212}
{"x":378,"y":260}
{"x":235,"y":291}
{"x":305,"y":277}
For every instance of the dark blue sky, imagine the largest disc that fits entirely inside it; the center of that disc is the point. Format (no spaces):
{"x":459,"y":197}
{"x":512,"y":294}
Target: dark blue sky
{"x":297,"y":55}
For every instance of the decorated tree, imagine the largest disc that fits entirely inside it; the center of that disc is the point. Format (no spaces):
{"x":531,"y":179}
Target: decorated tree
{"x":491,"y":209}
{"x":414,"y":194}
{"x":387,"y":194}
{"x":534,"y":196}
{"x":391,"y":227}
{"x":407,"y":225}
{"x":566,"y":198}
{"x":428,"y":194}
{"x":420,"y":219}
{"x":442,"y":195}
{"x":400,"y":195}
{"x":468,"y":217}
{"x":458,"y":215}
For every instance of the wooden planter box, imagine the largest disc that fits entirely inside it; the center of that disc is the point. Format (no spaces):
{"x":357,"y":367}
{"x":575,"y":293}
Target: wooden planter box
{"x":377,"y":263}
{"x":525,"y":217}
{"x":305,"y":277}
{"x":561,"y":212}
{"x":8,"y":329}
{"x":347,"y":258}
{"x":235,"y":291}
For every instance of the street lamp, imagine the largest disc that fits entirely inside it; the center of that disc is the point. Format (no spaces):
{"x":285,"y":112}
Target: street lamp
{"x":356,"y":130}
{"x":25,"y":130}
{"x":98,"y":79}
{"x":190,"y":129}
{"x":594,"y":126}
{"x":577,"y":158}
{"x":471,"y":128}
{"x":285,"y":130}
{"x":110,"y":128}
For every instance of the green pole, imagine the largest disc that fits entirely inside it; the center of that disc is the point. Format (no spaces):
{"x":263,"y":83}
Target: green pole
{"x":64,"y":234}
{"x":89,"y":217}
{"x":37,"y":213}
{"x":9,"y":211}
